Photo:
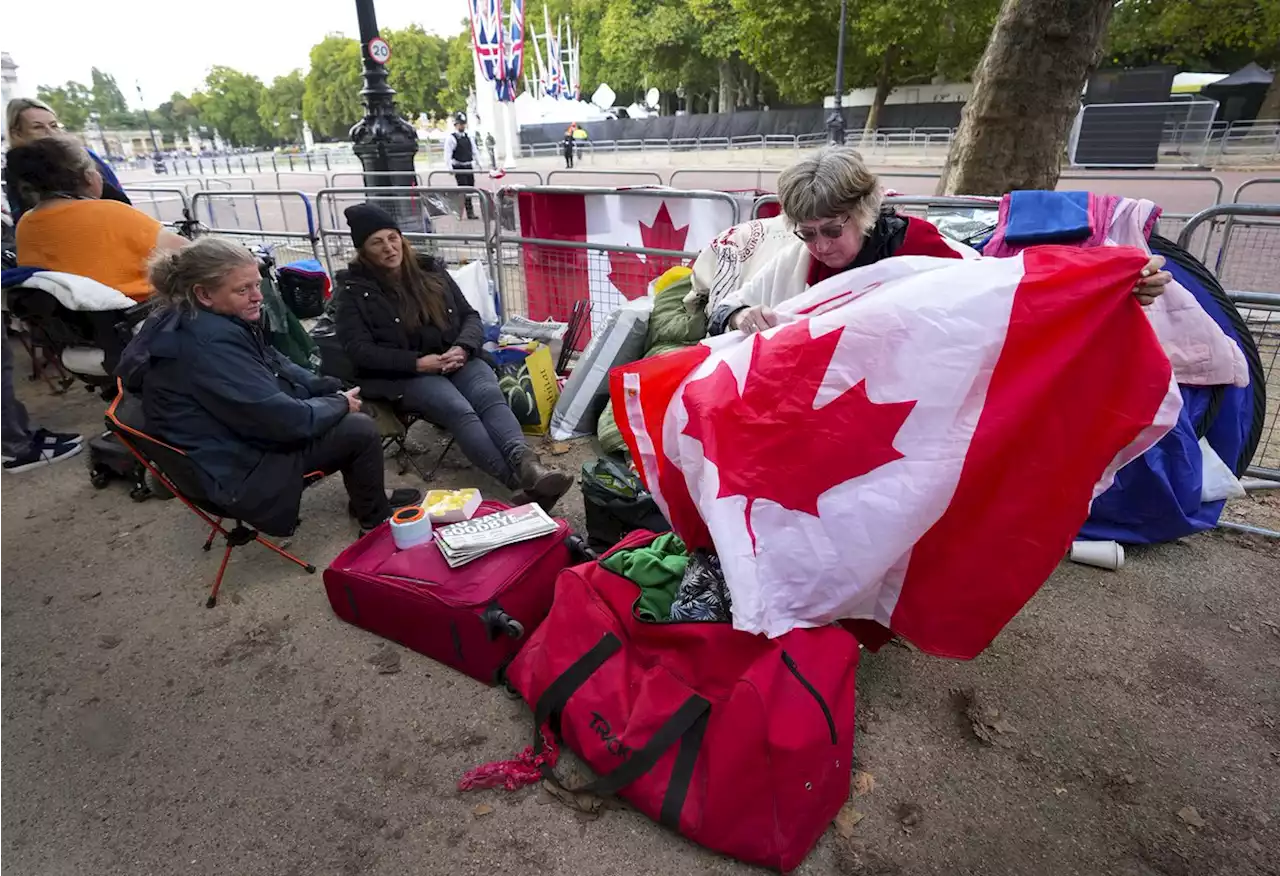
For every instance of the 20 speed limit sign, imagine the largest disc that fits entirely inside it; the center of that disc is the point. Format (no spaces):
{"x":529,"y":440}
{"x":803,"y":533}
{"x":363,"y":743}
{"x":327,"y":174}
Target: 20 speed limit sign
{"x":379,"y":51}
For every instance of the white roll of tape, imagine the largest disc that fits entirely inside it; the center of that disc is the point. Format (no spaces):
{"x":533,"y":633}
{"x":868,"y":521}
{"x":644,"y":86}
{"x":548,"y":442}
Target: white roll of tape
{"x":410,"y":527}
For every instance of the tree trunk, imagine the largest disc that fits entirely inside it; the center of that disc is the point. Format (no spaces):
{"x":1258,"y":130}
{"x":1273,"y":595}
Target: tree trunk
{"x":1026,"y":94}
{"x":726,"y":86}
{"x":1270,"y":109}
{"x":884,"y":85}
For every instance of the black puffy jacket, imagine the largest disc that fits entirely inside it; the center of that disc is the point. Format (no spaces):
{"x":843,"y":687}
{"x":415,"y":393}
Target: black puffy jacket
{"x":384,"y":352}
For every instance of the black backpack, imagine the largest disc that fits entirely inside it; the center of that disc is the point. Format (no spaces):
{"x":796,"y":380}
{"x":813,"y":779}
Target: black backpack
{"x":616,"y":503}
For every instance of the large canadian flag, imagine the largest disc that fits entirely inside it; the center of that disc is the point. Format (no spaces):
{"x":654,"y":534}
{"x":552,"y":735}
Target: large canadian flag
{"x":915,"y":445}
{"x":556,"y":277}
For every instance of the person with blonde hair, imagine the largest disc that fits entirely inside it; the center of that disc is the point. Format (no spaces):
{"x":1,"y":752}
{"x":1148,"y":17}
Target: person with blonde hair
{"x":251,"y":421}
{"x":27,"y":120}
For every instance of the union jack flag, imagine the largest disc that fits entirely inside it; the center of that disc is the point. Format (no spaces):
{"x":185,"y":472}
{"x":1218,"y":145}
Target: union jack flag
{"x":486,"y":36}
{"x":555,"y":71}
{"x":512,"y":53}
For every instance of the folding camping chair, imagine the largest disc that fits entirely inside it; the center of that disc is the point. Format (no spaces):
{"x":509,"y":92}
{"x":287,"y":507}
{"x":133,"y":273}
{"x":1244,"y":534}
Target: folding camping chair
{"x":394,"y":424}
{"x":173,"y":468}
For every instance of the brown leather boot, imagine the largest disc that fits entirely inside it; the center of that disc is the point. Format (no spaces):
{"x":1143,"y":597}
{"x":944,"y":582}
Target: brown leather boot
{"x":542,"y":484}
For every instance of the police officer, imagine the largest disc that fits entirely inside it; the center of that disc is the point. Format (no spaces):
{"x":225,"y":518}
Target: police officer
{"x":460,"y":156}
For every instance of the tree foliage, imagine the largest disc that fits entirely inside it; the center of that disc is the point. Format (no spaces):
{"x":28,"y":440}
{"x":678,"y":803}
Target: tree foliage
{"x":416,"y":71}
{"x":331,"y":102}
{"x":176,"y":115}
{"x":71,"y":102}
{"x":459,"y":75}
{"x":231,"y":102}
{"x":108,"y":100}
{"x":794,"y":43}
{"x":281,"y":107}
{"x":1222,"y":35}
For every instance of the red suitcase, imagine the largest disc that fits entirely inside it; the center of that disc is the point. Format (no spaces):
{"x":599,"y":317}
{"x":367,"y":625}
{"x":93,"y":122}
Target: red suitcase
{"x":473,"y":618}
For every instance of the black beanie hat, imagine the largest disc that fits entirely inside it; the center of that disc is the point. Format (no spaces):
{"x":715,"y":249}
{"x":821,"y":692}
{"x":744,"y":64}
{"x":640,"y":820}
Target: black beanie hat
{"x":365,"y":220}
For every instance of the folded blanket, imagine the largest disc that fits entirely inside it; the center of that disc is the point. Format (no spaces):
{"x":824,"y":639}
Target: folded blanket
{"x":1047,"y":217}
{"x":78,"y":293}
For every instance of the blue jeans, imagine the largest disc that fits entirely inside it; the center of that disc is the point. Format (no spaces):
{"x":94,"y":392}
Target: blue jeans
{"x":470,"y":405}
{"x":16,"y":425}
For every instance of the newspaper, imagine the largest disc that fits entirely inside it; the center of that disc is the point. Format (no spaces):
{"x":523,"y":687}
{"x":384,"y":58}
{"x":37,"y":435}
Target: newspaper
{"x":460,"y":543}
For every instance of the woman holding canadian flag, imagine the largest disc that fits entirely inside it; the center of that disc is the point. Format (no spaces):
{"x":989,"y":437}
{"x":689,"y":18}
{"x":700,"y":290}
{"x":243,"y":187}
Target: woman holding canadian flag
{"x":912,"y":445}
{"x":833,"y":205}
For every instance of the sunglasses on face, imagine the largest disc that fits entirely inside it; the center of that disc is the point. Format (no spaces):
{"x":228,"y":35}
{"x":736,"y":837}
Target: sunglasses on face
{"x":831,"y":232}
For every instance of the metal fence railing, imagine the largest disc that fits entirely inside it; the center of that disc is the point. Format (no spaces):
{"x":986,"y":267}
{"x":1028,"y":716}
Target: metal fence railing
{"x":540,"y":277}
{"x":1240,"y":243}
{"x":485,"y":181}
{"x":433,"y":220}
{"x":725,"y":178}
{"x":281,"y":220}
{"x":169,"y":205}
{"x":573,"y":176}
{"x":1271,"y":196}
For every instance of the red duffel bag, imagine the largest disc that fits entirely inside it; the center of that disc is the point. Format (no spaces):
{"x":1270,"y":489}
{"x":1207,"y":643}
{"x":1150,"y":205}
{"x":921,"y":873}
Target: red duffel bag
{"x":741,"y":743}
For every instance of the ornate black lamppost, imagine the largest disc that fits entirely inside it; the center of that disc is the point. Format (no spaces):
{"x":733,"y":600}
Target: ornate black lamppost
{"x":835,"y":122}
{"x":384,"y":142}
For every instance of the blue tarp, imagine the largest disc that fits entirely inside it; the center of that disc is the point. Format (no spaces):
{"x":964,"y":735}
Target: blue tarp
{"x":1157,"y":497}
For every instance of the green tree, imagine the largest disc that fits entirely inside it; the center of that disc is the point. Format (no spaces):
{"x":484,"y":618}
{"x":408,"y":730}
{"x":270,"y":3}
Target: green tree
{"x":176,"y":115}
{"x":231,"y":105}
{"x":459,"y":76}
{"x":585,"y":17}
{"x":653,"y":44}
{"x":888,"y":42}
{"x":1223,"y":35}
{"x":331,"y":101}
{"x":71,"y":102}
{"x":108,"y":100}
{"x":417,"y":70}
{"x":281,"y":107}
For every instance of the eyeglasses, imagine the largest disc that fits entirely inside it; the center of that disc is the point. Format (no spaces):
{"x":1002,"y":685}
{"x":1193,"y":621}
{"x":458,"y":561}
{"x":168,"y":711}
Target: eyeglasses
{"x":831,"y":232}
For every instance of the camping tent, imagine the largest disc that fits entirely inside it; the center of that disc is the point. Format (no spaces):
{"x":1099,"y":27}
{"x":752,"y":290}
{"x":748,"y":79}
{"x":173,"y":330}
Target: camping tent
{"x":1240,"y":95}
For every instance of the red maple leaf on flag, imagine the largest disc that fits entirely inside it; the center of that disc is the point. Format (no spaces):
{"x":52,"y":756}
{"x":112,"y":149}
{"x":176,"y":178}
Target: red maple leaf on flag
{"x":631,"y":273}
{"x":771,"y":443}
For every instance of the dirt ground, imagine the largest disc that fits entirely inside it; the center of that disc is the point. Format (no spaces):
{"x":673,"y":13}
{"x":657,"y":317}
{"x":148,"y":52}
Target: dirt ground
{"x":1124,"y":723}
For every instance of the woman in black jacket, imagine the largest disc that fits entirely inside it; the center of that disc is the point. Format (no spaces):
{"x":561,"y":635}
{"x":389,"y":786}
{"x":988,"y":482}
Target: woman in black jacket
{"x":414,"y":339}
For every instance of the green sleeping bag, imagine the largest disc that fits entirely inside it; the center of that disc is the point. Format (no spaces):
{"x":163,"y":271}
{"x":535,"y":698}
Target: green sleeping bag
{"x":671,"y":327}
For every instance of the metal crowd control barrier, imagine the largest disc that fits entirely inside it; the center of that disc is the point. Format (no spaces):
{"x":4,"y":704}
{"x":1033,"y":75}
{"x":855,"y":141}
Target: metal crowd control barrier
{"x":1257,"y":181}
{"x":1242,"y":247}
{"x":430,"y":218}
{"x":649,"y":177}
{"x":510,"y":177}
{"x":737,"y":173}
{"x":224,"y":213}
{"x":171,"y":206}
{"x":355,"y":178}
{"x":958,"y":202}
{"x":540,"y":277}
{"x":301,"y":179}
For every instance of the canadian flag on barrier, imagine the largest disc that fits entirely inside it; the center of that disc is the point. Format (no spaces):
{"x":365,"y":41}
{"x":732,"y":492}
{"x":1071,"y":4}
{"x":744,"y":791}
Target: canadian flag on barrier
{"x":916,"y":445}
{"x":556,"y":277}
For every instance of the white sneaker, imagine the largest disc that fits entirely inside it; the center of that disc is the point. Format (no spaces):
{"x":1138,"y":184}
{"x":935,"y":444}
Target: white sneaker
{"x":40,"y":456}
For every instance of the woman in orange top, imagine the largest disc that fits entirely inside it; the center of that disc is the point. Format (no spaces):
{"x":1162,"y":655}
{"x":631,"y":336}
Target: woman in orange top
{"x":67,"y":228}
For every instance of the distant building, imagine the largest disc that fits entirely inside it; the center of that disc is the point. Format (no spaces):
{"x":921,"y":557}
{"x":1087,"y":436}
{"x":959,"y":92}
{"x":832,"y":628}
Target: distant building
{"x":8,"y":90}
